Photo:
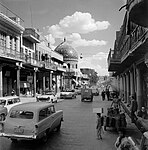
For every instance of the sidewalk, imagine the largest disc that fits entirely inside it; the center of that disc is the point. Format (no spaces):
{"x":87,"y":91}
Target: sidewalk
{"x":132,"y":128}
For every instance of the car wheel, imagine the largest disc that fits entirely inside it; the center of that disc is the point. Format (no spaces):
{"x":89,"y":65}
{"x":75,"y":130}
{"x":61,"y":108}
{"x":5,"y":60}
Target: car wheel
{"x":59,"y":127}
{"x":14,"y":140}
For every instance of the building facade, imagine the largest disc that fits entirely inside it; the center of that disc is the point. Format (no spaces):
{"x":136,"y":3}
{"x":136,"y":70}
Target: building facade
{"x":128,"y":60}
{"x":27,"y":63}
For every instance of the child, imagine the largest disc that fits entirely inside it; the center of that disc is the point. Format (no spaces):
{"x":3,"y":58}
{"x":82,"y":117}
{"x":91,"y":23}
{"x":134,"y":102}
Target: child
{"x":99,"y":125}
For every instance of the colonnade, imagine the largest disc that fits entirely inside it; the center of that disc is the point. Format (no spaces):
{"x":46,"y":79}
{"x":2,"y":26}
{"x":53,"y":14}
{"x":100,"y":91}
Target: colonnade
{"x":130,"y":83}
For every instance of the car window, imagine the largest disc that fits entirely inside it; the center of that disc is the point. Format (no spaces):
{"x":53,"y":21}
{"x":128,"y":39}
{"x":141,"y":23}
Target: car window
{"x":10,"y":101}
{"x":42,"y":114}
{"x":21,"y":114}
{"x":2,"y":102}
{"x":16,"y":100}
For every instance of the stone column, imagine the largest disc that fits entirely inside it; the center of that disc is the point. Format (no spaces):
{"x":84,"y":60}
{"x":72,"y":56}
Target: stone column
{"x":121,"y":86}
{"x":125,"y":90}
{"x":34,"y":82}
{"x":1,"y":81}
{"x":18,"y":44}
{"x":128,"y":88}
{"x":7,"y":41}
{"x":44,"y":81}
{"x":132,"y":83}
{"x":61,"y":81}
{"x":50,"y":80}
{"x":18,"y":82}
{"x":139,"y":89}
{"x":56,"y":84}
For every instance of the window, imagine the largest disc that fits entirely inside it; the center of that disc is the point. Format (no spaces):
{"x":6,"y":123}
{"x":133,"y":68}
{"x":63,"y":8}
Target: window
{"x":42,"y":114}
{"x":21,"y":114}
{"x":10,"y":101}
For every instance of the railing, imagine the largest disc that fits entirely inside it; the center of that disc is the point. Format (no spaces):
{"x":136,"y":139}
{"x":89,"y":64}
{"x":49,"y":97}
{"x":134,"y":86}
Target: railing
{"x":7,"y":12}
{"x":10,"y":53}
{"x":134,"y":38}
{"x":32,"y":61}
{"x":30,"y":31}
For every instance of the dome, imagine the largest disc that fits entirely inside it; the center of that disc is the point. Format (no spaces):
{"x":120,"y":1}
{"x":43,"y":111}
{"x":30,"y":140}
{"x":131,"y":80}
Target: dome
{"x":68,"y":52}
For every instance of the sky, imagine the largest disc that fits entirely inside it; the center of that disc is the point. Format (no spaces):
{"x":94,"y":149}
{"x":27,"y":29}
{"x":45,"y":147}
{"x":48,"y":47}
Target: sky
{"x":89,"y":26}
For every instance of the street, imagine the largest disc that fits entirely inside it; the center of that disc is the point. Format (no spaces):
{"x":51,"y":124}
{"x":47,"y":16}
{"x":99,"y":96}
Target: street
{"x":77,"y":132}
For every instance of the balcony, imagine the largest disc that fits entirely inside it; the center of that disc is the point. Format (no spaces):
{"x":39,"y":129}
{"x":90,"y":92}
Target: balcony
{"x":32,"y":35}
{"x":113,"y":61}
{"x":135,"y":46}
{"x":138,"y":12}
{"x":10,"y":54}
{"x":32,"y":62}
{"x":10,"y":19}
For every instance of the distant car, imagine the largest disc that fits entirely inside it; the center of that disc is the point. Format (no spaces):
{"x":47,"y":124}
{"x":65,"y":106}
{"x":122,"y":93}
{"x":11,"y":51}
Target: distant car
{"x":3,"y":113}
{"x":9,"y":101}
{"x":78,"y":91}
{"x":68,"y":94}
{"x":86,"y":94}
{"x":31,"y":121}
{"x":47,"y":96}
{"x":95,"y":92}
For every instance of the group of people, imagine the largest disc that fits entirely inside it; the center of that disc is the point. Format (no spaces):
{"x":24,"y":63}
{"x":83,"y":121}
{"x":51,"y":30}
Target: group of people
{"x":105,"y":93}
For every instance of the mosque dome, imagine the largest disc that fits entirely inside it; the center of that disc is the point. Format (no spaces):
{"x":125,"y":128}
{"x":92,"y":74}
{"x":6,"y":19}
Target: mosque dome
{"x":68,"y":52}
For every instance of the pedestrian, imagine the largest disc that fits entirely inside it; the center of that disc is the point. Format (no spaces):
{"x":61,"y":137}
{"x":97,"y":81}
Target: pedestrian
{"x":103,"y":95}
{"x":122,"y":142}
{"x":133,"y":108}
{"x":107,"y":94}
{"x":99,"y":125}
{"x":143,"y":113}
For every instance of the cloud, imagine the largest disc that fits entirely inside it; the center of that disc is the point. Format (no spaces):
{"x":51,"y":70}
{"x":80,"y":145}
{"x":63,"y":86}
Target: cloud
{"x":73,"y":26}
{"x":81,"y":23}
{"x":77,"y":41}
{"x":95,"y":62}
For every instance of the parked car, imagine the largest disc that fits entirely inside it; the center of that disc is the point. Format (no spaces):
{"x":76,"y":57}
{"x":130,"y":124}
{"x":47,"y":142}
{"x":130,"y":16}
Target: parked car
{"x":3,"y":113}
{"x":47,"y":96}
{"x":9,"y":101}
{"x":29,"y":121}
{"x":68,"y":94}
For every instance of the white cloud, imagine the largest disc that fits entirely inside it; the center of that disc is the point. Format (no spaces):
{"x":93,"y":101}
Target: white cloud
{"x":80,"y":23}
{"x":95,"y":62}
{"x":72,"y":26}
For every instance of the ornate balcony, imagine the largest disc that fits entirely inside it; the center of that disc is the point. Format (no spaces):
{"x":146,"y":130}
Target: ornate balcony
{"x":10,"y":19}
{"x":10,"y":54}
{"x":113,"y":61}
{"x":32,"y":35}
{"x":135,"y":46}
{"x":138,"y":12}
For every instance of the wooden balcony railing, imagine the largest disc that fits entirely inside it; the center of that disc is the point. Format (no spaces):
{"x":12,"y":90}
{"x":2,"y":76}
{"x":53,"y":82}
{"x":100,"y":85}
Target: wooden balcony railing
{"x":11,"y":54}
{"x":138,"y":34}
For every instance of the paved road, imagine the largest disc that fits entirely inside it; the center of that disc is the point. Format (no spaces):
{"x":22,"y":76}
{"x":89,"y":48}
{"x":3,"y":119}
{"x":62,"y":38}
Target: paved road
{"x":77,"y":132}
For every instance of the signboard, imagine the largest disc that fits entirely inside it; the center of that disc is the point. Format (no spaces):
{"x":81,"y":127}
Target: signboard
{"x":98,"y":110}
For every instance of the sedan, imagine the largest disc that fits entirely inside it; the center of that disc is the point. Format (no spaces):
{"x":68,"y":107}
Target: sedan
{"x":68,"y":94}
{"x":47,"y":96}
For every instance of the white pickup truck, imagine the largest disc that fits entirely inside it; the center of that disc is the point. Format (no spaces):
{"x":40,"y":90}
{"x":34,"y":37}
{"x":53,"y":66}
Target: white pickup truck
{"x":28,"y":121}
